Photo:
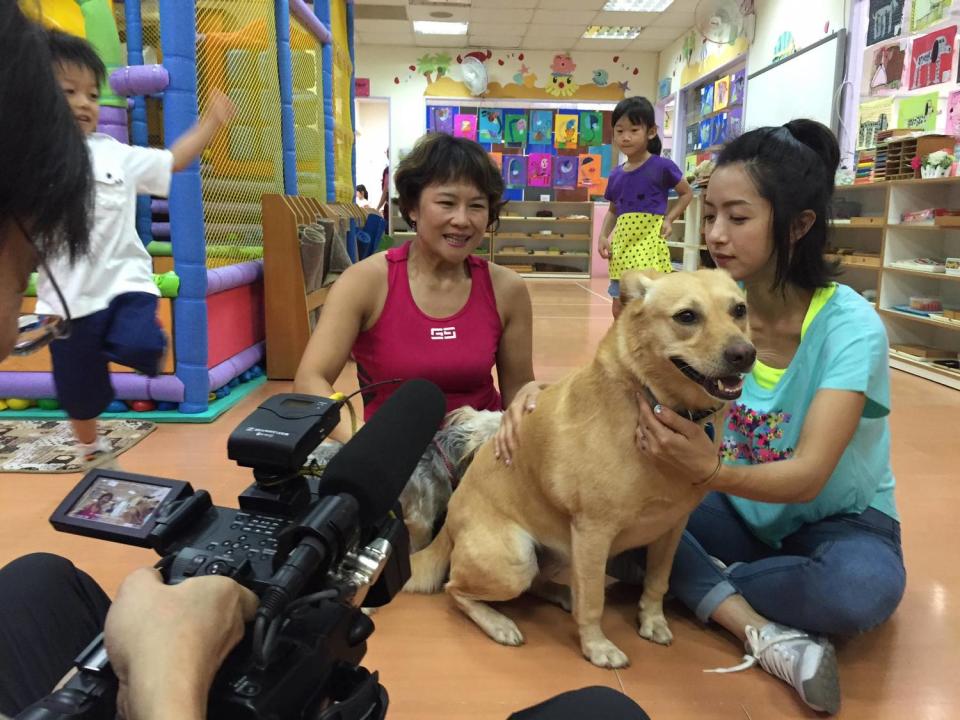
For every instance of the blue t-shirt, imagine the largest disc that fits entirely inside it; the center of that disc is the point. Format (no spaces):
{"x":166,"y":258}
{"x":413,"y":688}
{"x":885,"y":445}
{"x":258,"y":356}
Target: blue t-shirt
{"x":844,"y":348}
{"x":643,"y":189}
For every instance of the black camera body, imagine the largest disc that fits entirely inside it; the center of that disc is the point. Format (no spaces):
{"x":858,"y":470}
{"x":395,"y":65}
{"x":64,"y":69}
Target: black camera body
{"x":314,"y":549}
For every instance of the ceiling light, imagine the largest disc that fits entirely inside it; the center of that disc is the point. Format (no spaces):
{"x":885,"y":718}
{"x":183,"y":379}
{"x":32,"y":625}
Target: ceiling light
{"x":637,"y":5}
{"x":611,"y":32}
{"x":429,"y":27}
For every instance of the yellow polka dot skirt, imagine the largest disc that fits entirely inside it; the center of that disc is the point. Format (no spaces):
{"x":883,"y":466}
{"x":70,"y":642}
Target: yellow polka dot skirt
{"x":636,"y":244}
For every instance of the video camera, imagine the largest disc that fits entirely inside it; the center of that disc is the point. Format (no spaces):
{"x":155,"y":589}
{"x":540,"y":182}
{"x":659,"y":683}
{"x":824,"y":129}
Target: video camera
{"x":314,"y":549}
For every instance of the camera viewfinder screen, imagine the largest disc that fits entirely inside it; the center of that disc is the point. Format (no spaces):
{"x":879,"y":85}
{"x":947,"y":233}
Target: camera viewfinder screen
{"x":119,"y":502}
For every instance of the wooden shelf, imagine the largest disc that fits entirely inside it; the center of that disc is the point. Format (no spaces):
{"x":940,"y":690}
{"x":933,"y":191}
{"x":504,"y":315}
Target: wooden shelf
{"x":855,"y":226}
{"x":862,"y":186}
{"x":537,"y":236}
{"x":860,"y":266}
{"x":542,"y":254}
{"x":919,"y":319}
{"x":921,"y":273}
{"x":504,"y":218}
{"x":945,"y":376}
{"x":923,"y":227}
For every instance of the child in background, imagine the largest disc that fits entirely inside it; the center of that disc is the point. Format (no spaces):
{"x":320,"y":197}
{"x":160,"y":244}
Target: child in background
{"x":110,"y":293}
{"x":637,"y":192}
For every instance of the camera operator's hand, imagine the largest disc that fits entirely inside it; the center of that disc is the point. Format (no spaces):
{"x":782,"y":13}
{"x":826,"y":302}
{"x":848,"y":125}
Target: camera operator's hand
{"x":166,"y":642}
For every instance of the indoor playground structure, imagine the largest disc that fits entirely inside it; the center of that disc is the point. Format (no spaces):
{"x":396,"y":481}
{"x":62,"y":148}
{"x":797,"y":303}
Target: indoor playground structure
{"x":288,"y":66}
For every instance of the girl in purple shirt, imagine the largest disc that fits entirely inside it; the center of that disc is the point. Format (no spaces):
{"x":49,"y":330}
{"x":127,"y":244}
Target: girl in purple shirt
{"x":637,"y":192}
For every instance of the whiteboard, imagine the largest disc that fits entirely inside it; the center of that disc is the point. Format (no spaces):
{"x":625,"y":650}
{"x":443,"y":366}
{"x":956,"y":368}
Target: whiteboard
{"x":803,"y":85}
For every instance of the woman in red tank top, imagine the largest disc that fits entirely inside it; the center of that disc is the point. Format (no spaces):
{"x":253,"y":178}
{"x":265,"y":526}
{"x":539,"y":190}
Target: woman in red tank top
{"x":430,"y":308}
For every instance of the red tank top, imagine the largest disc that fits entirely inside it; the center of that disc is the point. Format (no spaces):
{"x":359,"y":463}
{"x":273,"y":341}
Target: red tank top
{"x":457,"y":353}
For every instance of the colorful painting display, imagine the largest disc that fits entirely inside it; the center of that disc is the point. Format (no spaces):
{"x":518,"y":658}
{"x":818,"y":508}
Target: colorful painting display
{"x":515,"y":171}
{"x":541,"y":127}
{"x":706,"y":99}
{"x":565,"y":171}
{"x":721,"y":93}
{"x":737,"y":86}
{"x":515,"y":128}
{"x":918,"y":112}
{"x":497,"y":158}
{"x":883,"y":68}
{"x":884,"y":20}
{"x":565,"y":131}
{"x":441,"y":120}
{"x":931,"y":57}
{"x":953,"y":114}
{"x":465,"y":126}
{"x":606,"y":157}
{"x":491,"y":126}
{"x":924,"y":13}
{"x":539,"y":169}
{"x":591,"y":128}
{"x":875,"y":117}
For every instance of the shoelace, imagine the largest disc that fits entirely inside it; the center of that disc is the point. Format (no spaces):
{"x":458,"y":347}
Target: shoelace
{"x":780,"y":661}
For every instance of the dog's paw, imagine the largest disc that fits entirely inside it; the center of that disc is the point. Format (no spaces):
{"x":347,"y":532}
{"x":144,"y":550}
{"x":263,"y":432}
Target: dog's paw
{"x":605,"y":654}
{"x":655,"y":629}
{"x":505,"y":632}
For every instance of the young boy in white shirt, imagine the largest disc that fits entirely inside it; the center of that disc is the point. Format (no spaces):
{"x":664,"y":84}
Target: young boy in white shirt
{"x":110,"y":293}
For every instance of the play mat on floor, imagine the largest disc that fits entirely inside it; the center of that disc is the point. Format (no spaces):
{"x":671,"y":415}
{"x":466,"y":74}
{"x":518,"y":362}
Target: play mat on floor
{"x":48,"y":446}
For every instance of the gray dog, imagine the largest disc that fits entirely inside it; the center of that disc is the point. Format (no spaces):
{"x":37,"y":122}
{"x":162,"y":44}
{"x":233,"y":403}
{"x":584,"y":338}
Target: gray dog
{"x":425,"y":497}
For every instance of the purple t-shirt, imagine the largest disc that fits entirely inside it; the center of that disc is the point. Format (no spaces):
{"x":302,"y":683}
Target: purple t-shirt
{"x":645,"y":188}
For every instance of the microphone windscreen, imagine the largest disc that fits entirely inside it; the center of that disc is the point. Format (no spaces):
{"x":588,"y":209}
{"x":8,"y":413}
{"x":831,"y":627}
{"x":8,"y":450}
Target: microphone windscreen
{"x":375,"y":465}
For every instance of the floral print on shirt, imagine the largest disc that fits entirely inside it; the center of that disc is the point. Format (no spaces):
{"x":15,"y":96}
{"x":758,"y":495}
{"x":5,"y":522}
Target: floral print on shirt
{"x":751,"y":435}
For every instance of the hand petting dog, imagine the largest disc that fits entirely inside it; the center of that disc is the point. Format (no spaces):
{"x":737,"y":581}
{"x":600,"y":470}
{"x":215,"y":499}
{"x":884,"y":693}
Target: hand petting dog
{"x":665,"y":436}
{"x":508,"y":436}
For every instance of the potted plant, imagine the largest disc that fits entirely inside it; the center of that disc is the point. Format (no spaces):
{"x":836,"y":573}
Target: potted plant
{"x":936,"y":164}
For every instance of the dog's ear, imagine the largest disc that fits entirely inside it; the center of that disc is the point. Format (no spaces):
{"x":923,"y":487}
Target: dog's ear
{"x":635,"y":284}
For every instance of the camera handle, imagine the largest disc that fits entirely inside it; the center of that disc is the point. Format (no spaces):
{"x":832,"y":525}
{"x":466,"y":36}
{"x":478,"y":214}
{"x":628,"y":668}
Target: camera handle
{"x":91,"y":694}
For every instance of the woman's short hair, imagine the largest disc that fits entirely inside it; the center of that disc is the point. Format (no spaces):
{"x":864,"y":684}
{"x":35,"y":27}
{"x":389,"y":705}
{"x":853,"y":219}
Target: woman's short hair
{"x":441,"y":158}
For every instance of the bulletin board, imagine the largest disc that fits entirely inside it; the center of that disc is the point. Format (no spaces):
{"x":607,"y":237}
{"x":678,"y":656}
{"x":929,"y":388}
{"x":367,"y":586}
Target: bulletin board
{"x":543,"y":149}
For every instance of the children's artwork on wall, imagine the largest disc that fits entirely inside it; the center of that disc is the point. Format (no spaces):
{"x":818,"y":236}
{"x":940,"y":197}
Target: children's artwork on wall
{"x":465,"y":126}
{"x":737,"y":86}
{"x":721,"y":93}
{"x":718,"y":129}
{"x":706,"y":99}
{"x":953,"y":114}
{"x":565,"y":171}
{"x":924,"y":13}
{"x":606,"y":157}
{"x":875,"y":117}
{"x":706,"y":133}
{"x":884,"y":20}
{"x":693,"y":136}
{"x":497,"y":158}
{"x":690,"y":165}
{"x":539,"y":169}
{"x":515,"y":171}
{"x":589,"y":175}
{"x":541,"y":127}
{"x":931,"y":57}
{"x":918,"y":112}
{"x":734,"y":123}
{"x":515,"y":128}
{"x":491,"y":126}
{"x":591,"y":128}
{"x":883,"y":67}
{"x":441,"y":120}
{"x":565,"y":131}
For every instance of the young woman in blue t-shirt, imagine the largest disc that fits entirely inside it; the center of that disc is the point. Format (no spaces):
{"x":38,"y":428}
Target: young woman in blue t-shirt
{"x":801,"y":538}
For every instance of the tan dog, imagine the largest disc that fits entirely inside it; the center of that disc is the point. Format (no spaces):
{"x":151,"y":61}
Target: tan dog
{"x":578,"y":490}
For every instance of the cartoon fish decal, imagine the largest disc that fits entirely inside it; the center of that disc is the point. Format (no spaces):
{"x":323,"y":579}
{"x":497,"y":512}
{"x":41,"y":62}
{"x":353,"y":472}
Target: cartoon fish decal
{"x":600,"y":78}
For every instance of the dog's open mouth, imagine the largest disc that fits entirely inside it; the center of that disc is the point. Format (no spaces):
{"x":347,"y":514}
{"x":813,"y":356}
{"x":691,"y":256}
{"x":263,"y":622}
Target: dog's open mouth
{"x":727,"y":387}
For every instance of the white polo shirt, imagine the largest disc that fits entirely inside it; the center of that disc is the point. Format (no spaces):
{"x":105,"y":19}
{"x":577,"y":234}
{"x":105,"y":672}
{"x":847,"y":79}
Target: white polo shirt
{"x":117,"y":262}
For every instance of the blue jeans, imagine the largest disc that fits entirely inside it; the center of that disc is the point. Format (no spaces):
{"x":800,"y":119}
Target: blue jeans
{"x":840,"y":576}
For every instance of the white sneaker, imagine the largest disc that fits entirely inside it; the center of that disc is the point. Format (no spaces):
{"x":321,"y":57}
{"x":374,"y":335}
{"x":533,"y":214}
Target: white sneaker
{"x":807,"y":663}
{"x":99,"y":453}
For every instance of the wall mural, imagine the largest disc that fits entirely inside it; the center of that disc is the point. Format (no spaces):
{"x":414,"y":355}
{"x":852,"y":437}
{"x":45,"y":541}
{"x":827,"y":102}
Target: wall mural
{"x":511,"y":76}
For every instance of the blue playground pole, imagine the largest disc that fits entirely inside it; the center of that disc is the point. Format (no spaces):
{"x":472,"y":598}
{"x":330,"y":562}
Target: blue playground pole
{"x":285,"y":72}
{"x":353,"y":94}
{"x":138,"y":117}
{"x":178,"y":38}
{"x":321,"y":8}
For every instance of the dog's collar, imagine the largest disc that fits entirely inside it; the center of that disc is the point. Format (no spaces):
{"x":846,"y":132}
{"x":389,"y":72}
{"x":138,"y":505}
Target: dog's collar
{"x":691,"y":415}
{"x":448,"y":463}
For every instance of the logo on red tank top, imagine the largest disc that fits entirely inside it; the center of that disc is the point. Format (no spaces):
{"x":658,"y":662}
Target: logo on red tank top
{"x":447,"y":333}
